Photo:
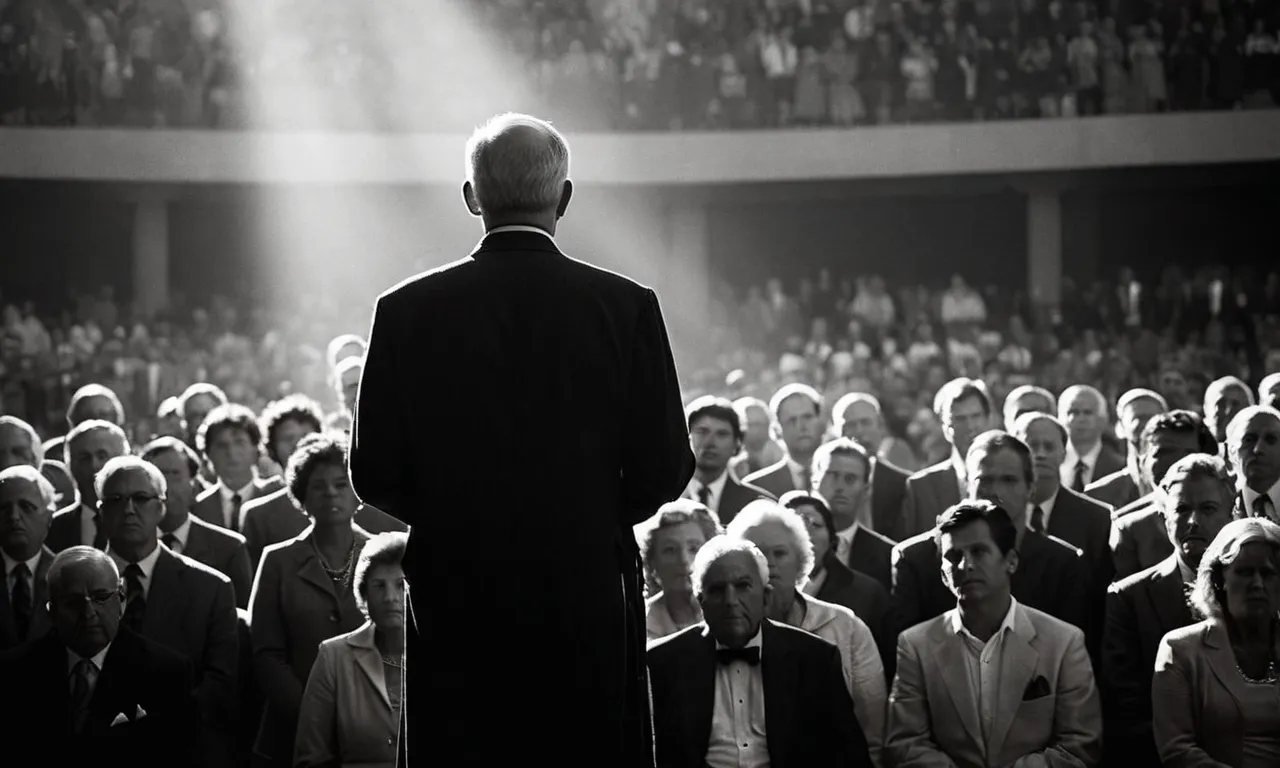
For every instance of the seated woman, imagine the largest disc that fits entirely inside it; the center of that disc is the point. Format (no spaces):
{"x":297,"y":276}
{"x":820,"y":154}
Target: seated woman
{"x":1216,"y":692}
{"x":303,"y":593}
{"x":668,"y":543}
{"x":834,"y":582}
{"x":351,"y":707}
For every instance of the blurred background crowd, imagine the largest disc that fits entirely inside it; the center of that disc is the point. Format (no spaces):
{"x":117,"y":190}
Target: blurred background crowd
{"x":633,"y":64}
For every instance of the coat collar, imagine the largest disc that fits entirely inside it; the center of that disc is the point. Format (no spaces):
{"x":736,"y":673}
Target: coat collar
{"x":514,"y":240}
{"x":310,"y":568}
{"x":369,"y":659}
{"x":1222,"y":659}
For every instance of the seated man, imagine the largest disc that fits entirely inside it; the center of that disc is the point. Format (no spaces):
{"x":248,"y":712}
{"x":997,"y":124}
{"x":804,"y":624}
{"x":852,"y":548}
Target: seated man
{"x":739,"y":690}
{"x":91,"y":692}
{"x":991,"y":682}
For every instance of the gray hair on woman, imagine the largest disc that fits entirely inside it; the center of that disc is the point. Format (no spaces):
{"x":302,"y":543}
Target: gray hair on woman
{"x":1208,"y":596}
{"x":719,"y":547}
{"x":385,"y":549}
{"x":517,"y":164}
{"x":762,"y":512}
{"x":669,"y":515}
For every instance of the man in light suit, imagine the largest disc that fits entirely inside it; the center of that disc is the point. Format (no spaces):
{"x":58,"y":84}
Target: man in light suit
{"x":1124,"y":486}
{"x":1138,"y":538}
{"x":715,"y":435}
{"x":947,"y":709}
{"x":797,"y":412}
{"x":230,"y":439}
{"x":738,"y":668}
{"x":26,"y":505}
{"x":964,"y":408}
{"x":579,"y":357}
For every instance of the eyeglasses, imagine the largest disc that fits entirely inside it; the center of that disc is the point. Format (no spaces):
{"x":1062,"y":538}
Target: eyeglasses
{"x":139,"y":499}
{"x":76,"y":602}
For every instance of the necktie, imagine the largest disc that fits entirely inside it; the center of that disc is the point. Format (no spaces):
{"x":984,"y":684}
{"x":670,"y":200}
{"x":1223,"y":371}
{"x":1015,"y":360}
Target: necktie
{"x":81,"y":692}
{"x":236,"y":501}
{"x":1261,"y":506}
{"x":171,"y":541}
{"x":99,"y":535}
{"x":729,"y":655}
{"x":704,"y":496}
{"x":135,"y":600}
{"x":1081,"y":468}
{"x":21,"y":600}
{"x":1037,"y":519}
{"x":806,"y":480}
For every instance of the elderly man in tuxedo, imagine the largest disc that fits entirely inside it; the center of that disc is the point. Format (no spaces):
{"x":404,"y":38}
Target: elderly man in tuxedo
{"x":1138,"y":538}
{"x":740,"y":690}
{"x":173,"y":600}
{"x":90,"y":445}
{"x":964,"y":408}
{"x":26,"y":505}
{"x":1124,"y":486}
{"x":19,"y":443}
{"x":91,"y":692}
{"x":715,"y":435}
{"x":1196,"y":500}
{"x":992,"y":682}
{"x":578,"y":357}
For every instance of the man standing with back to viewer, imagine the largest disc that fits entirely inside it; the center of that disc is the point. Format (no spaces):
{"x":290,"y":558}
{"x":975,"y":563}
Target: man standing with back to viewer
{"x":513,"y":345}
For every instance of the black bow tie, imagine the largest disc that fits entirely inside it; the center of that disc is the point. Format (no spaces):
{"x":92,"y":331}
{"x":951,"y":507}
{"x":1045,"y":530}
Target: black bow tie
{"x":750,"y":655}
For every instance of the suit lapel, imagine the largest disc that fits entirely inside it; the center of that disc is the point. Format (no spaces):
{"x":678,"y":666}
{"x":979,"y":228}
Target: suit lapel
{"x":1063,"y":522}
{"x":164,"y":595}
{"x":1222,"y":661}
{"x":702,"y":691}
{"x":780,"y":680}
{"x":8,"y":632}
{"x":951,"y":662}
{"x":311,"y":571}
{"x":110,"y":692}
{"x":1168,"y":599}
{"x":369,"y":661}
{"x":1017,"y":667}
{"x":40,"y":622}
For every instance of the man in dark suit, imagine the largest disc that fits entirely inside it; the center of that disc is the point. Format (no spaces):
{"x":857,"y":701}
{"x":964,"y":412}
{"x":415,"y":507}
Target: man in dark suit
{"x":1083,"y":411}
{"x":1223,"y":399}
{"x":88,"y":449}
{"x":797,"y":412}
{"x":1138,"y":538}
{"x":1051,"y":575}
{"x":964,"y":408}
{"x":172,"y":599}
{"x":715,"y":435}
{"x":1135,"y":408}
{"x":840,"y":474}
{"x":26,"y":504}
{"x":19,"y":443}
{"x":710,"y":678}
{"x":183,"y":533}
{"x":91,"y":692}
{"x":230,"y":439}
{"x":576,"y":358}
{"x":858,"y":416}
{"x":1196,"y":501}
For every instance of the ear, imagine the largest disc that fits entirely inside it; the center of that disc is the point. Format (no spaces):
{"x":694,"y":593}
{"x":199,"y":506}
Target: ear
{"x":565,"y":196}
{"x":469,"y":197}
{"x":1012,"y":560}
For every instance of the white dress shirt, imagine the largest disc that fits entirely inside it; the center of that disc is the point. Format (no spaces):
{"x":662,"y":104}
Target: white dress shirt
{"x":11,"y":578}
{"x":982,"y":663}
{"x":147,"y":564}
{"x":95,"y":668}
{"x":1273,"y":494}
{"x":523,"y":228}
{"x":1068,"y":469}
{"x":180,"y":533}
{"x":228,"y":503}
{"x":1046,"y":509}
{"x":737,"y":720}
{"x":962,"y":474}
{"x":716,"y":487}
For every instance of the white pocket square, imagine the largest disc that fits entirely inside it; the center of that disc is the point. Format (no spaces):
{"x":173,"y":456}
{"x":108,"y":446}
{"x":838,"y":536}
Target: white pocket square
{"x":141,"y":713}
{"x":120,"y":720}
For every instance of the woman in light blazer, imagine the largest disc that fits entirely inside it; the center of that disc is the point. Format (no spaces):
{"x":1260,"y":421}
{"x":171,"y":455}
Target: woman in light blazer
{"x":1216,"y":691}
{"x":351,"y":708}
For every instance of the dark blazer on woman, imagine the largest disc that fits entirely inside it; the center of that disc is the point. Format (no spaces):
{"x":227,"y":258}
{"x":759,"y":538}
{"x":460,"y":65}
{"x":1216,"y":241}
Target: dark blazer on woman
{"x":294,"y":608}
{"x":346,"y":716}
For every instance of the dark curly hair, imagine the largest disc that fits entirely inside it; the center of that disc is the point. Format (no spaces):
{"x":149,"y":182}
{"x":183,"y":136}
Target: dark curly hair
{"x":229,"y":416}
{"x":299,"y":408}
{"x":314,"y":450}
{"x":383,"y":549}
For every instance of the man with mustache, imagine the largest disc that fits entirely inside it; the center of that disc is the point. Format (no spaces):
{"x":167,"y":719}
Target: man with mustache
{"x":715,"y":435}
{"x":1195,"y":502}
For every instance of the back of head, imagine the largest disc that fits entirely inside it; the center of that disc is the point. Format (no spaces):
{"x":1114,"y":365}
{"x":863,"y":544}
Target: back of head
{"x":517,"y":165}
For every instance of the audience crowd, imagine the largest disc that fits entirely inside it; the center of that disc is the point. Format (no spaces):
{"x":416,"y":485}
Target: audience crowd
{"x":627,"y":64}
{"x":896,"y":492}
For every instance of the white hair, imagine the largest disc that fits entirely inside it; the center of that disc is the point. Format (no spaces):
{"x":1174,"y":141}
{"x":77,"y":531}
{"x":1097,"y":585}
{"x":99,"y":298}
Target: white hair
{"x":1074,"y":391}
{"x":1238,"y":423}
{"x":125,"y":463}
{"x":763,"y":512}
{"x":37,"y":447}
{"x":718,"y":547}
{"x":93,"y":425}
{"x":511,"y":176}
{"x":79,"y":555}
{"x":32,"y":475}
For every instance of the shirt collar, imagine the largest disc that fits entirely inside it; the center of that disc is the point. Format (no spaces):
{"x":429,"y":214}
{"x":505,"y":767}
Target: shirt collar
{"x":521,"y":228}
{"x":1188,"y":575}
{"x":147,"y":564}
{"x":97,"y":659}
{"x":10,"y":563}
{"x":180,"y":533}
{"x":244,"y":493}
{"x":1250,"y":495}
{"x":1046,"y":507}
{"x":1090,"y":458}
{"x":752,"y":643}
{"x":1010,"y":620}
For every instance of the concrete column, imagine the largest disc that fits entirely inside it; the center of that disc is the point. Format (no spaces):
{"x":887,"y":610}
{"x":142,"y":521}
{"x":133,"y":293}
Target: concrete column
{"x":688,"y":274}
{"x":1044,"y":245}
{"x":151,"y":253}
